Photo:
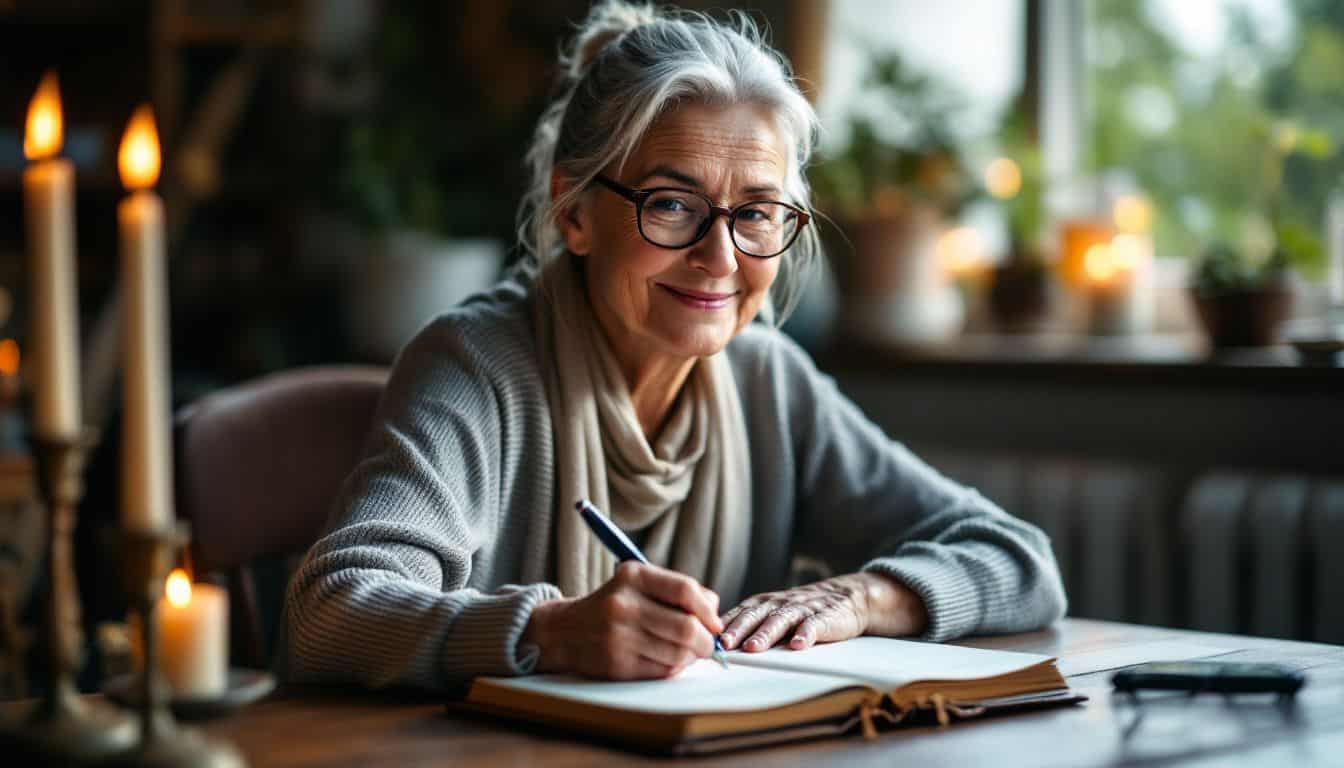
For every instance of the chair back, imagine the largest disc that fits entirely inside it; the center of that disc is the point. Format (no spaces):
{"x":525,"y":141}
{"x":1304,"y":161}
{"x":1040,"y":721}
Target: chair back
{"x":258,"y":467}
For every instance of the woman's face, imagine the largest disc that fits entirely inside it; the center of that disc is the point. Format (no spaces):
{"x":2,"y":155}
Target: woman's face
{"x":655,"y":302}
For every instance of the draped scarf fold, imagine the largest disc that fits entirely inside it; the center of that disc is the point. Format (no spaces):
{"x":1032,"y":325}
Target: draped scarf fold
{"x":686,"y":494}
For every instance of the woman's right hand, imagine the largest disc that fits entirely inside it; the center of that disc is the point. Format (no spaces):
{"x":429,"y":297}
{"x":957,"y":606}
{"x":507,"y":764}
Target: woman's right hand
{"x":645,"y":622}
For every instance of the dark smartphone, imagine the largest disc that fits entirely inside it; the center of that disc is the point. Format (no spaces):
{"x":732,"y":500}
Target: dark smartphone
{"x":1209,"y":677}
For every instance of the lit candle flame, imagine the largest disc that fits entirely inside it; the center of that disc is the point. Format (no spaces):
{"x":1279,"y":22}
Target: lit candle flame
{"x":9,"y":357}
{"x":45,"y":131}
{"x":1003,"y":178}
{"x":138,"y":159}
{"x":1100,"y":263}
{"x":179,"y":588}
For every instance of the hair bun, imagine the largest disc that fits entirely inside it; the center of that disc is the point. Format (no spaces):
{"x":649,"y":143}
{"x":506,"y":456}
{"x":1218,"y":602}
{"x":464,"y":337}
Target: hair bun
{"x":606,"y":22}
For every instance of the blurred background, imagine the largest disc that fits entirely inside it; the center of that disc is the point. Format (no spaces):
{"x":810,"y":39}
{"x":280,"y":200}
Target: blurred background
{"x":1085,"y":256}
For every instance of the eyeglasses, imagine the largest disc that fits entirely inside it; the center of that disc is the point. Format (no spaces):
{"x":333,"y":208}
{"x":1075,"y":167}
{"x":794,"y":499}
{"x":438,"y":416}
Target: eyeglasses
{"x":679,"y":218}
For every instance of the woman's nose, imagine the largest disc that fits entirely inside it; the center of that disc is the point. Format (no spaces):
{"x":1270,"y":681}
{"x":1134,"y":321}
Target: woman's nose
{"x":715,"y":254}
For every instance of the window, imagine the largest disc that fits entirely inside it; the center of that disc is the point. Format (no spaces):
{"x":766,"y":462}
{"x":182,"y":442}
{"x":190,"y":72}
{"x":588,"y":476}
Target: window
{"x":1222,"y":111}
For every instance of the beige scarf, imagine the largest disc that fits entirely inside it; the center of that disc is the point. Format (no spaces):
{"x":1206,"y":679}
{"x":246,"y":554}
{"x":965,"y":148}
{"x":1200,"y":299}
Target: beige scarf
{"x":688,"y":494}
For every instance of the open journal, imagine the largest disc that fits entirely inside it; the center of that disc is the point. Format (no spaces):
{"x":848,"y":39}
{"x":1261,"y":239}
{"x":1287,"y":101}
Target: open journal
{"x":781,"y":695}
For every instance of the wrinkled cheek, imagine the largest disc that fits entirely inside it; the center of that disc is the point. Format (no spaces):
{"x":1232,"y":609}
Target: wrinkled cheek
{"x":750,"y":308}
{"x":635,"y":296}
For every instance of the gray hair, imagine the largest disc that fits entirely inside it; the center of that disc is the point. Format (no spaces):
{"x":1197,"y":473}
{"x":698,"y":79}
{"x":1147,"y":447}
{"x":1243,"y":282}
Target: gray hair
{"x":627,"y":65}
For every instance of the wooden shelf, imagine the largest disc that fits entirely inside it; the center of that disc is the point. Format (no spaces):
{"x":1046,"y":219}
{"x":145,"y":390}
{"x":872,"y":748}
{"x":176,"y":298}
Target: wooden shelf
{"x":1063,"y":359}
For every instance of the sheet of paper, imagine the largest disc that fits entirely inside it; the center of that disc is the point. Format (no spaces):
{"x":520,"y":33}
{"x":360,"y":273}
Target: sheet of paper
{"x":1129,"y":655}
{"x":702,"y":687}
{"x":888,"y":663}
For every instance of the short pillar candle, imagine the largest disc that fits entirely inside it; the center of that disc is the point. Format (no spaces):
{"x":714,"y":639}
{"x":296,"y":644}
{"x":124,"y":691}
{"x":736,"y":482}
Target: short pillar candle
{"x":194,"y":638}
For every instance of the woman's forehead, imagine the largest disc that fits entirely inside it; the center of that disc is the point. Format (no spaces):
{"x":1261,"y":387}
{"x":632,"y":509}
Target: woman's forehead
{"x":695,"y":139}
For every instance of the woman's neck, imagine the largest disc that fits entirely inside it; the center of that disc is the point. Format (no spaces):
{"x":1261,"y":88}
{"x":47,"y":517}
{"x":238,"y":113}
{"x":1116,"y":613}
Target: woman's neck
{"x":654,"y":386}
{"x":654,"y":379}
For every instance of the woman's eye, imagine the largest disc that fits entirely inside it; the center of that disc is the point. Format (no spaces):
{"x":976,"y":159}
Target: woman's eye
{"x":669,"y":204}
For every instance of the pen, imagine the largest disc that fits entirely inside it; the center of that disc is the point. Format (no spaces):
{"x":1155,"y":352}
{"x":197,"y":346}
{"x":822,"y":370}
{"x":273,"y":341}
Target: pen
{"x":623,"y":548}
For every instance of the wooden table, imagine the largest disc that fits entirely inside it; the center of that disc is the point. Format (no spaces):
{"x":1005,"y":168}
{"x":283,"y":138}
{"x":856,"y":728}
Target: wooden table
{"x":326,"y":728}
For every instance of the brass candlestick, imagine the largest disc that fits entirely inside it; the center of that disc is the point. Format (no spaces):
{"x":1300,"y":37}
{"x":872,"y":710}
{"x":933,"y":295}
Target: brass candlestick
{"x":64,"y":728}
{"x":148,"y":557}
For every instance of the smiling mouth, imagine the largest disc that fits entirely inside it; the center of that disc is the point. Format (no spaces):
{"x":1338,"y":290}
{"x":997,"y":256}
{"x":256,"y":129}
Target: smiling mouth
{"x":699,"y":299}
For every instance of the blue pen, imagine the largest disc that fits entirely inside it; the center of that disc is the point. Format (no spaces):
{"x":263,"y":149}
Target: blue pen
{"x":623,"y":548}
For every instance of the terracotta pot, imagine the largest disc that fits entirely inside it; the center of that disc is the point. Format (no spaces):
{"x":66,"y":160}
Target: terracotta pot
{"x":889,"y":282}
{"x":1245,"y":318}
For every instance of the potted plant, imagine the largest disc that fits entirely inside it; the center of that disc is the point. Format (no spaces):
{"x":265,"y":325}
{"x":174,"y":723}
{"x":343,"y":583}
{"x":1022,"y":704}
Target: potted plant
{"x":1242,"y":303}
{"x":416,"y":261}
{"x":889,"y":189}
{"x":1022,"y":288}
{"x":419,"y":173}
{"x":1243,"y":294}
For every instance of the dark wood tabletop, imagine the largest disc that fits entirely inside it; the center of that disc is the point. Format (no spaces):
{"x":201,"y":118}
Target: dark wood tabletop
{"x":323,"y":727}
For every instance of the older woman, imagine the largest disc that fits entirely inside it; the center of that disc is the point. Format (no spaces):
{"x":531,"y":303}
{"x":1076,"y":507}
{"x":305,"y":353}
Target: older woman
{"x":667,"y":212}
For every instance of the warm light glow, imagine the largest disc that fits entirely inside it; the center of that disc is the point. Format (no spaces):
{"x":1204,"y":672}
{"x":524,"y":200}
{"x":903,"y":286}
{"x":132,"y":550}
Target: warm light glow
{"x":9,"y":357}
{"x":960,"y":251}
{"x":1099,"y":263}
{"x":138,"y":158}
{"x":1128,"y":250}
{"x":1133,"y":213}
{"x":179,"y":588}
{"x":1003,"y":178}
{"x":45,"y":131}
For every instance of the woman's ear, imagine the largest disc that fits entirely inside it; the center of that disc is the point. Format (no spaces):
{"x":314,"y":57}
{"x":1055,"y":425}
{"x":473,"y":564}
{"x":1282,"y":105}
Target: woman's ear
{"x":574,"y":221}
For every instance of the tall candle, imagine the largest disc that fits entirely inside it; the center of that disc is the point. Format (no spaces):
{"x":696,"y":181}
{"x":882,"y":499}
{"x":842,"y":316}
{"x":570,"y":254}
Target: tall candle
{"x":194,"y":637}
{"x":1133,"y":249}
{"x":146,"y":459}
{"x":49,"y":219}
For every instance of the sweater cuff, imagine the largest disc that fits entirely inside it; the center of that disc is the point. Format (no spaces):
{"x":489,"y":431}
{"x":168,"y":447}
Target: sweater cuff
{"x":484,"y":637}
{"x":950,"y":595}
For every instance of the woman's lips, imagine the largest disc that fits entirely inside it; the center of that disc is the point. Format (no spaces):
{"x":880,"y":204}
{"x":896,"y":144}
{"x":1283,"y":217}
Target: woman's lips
{"x":699,"y":299}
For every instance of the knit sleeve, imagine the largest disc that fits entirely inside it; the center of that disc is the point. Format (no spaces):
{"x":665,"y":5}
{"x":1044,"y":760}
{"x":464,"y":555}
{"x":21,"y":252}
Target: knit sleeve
{"x":382,"y":598}
{"x":865,"y":502}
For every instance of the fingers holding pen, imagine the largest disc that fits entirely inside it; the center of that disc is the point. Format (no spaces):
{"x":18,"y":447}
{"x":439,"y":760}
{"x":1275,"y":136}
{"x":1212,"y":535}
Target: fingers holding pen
{"x":646,"y":622}
{"x":675,"y":590}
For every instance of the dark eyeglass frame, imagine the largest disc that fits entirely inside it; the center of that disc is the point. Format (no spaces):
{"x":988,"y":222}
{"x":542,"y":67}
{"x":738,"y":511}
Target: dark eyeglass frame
{"x":641,"y":196}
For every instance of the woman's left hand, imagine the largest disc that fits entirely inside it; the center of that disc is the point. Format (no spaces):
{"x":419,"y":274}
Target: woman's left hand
{"x":835,"y":609}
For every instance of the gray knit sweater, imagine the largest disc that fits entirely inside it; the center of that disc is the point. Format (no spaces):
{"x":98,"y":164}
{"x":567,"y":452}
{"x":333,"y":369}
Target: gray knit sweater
{"x":439,"y":545}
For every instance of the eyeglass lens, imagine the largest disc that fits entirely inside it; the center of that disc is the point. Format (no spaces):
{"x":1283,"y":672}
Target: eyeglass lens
{"x":675,"y":219}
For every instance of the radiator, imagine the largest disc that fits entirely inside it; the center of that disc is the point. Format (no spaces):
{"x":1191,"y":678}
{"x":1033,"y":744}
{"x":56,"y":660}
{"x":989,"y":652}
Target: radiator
{"x":1273,"y":565}
{"x":1226,"y":551}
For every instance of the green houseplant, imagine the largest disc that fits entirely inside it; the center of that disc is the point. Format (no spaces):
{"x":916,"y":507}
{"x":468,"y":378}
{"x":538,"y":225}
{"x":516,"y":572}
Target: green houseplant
{"x":428,"y":174}
{"x":1243,"y":293}
{"x":1022,"y":289}
{"x":889,"y":189}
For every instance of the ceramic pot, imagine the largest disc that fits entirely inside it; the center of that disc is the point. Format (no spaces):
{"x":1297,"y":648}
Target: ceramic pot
{"x":407,"y":278}
{"x":1021,"y":296}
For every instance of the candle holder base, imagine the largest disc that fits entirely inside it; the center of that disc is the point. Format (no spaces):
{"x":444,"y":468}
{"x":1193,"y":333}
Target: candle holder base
{"x":74,"y":732}
{"x":174,"y":747}
{"x":149,"y":556}
{"x":62,"y":728}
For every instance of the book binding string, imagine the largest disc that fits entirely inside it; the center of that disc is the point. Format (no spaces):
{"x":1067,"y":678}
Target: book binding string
{"x":871,"y":708}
